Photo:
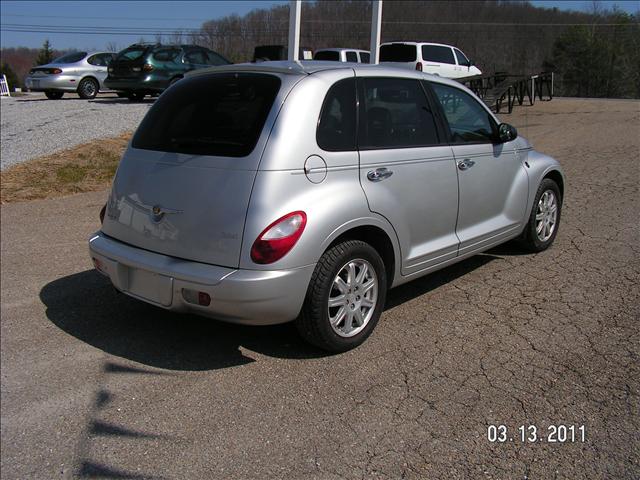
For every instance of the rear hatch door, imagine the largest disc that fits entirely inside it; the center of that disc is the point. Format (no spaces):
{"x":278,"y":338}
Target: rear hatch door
{"x":129,"y":62}
{"x":183,"y":186}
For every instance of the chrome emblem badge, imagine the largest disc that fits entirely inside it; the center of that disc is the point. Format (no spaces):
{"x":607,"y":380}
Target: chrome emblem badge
{"x":157,"y":212}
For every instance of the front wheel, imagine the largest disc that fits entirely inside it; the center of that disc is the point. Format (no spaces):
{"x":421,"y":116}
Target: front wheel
{"x":88,"y":88}
{"x":345,"y":297}
{"x":544,"y":220}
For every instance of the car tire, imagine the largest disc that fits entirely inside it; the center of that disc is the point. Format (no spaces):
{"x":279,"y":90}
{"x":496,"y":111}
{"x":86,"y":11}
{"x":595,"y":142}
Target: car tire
{"x":544,"y":219}
{"x":88,"y":88}
{"x":53,"y":95}
{"x":340,"y":315}
{"x":136,"y":96}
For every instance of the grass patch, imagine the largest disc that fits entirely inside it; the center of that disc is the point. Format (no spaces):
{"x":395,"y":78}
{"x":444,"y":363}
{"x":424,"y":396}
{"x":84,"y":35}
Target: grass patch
{"x":85,"y":168}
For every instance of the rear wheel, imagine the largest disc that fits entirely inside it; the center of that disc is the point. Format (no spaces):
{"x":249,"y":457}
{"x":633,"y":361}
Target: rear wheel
{"x":544,"y":219}
{"x":136,"y":96}
{"x":88,"y":88}
{"x":52,"y":95}
{"x":345,"y":297}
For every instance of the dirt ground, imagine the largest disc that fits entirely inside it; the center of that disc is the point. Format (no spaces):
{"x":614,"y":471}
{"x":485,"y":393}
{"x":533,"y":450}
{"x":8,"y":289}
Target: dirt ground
{"x":97,"y":385}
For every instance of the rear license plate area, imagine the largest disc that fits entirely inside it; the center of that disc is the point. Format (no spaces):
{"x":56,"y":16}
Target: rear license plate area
{"x":150,"y":286}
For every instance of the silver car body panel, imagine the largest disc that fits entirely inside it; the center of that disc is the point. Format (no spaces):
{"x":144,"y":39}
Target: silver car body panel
{"x":71,"y":76}
{"x":432,"y":213}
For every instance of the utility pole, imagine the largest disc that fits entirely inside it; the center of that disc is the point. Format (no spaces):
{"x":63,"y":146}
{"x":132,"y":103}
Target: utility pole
{"x":294,"y":29}
{"x":376,"y":25}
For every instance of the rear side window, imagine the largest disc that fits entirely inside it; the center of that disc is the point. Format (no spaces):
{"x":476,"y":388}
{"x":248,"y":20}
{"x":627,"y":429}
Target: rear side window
{"x":97,"y":60}
{"x":352,"y":57}
{"x":333,"y":56}
{"x":394,"y":113}
{"x":219,"y":115}
{"x":166,"y":54}
{"x":462,"y":59}
{"x":337,"y":125}
{"x":364,"y":57}
{"x":398,"y":52}
{"x":469,"y":121}
{"x":436,"y":53}
{"x":71,"y":57}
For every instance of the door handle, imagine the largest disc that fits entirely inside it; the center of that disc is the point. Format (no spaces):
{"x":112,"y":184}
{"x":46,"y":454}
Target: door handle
{"x":466,"y":164}
{"x":379,"y":174}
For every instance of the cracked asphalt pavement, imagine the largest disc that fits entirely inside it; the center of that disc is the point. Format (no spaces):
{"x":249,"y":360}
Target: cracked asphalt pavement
{"x":97,"y":385}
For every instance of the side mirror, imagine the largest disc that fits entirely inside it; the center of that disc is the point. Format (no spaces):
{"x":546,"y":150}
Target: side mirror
{"x":507,"y":132}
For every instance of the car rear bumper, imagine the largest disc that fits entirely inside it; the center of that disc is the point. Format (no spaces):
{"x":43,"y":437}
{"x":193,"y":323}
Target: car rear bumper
{"x":253,"y":297}
{"x":144,"y":84}
{"x":65,"y":83}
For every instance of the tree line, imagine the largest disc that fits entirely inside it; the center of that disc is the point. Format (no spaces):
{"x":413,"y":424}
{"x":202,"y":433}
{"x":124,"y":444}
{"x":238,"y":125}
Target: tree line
{"x":593,"y":53}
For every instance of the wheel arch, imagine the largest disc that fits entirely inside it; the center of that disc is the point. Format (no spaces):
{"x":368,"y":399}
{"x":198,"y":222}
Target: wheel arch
{"x":557,"y":177}
{"x":91,"y":77}
{"x":378,"y":238}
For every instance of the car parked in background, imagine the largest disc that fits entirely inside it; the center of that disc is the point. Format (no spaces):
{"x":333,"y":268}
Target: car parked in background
{"x":278,"y":191}
{"x":436,"y":58}
{"x":147,"y":69}
{"x":265,"y":53}
{"x":342,"y":55}
{"x":80,"y":72}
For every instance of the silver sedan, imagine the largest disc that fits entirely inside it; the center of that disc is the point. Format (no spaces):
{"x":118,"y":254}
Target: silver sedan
{"x":80,"y":72}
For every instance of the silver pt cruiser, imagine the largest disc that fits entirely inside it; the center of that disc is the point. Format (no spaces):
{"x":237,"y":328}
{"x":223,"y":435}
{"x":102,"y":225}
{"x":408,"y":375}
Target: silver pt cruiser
{"x":278,"y":191}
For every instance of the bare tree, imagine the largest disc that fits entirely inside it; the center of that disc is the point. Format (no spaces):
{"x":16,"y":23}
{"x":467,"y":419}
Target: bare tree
{"x":112,"y":47}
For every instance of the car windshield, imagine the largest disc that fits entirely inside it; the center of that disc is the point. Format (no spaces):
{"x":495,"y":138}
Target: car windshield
{"x":131,"y":53}
{"x":71,"y":57}
{"x":217,"y":115}
{"x":398,"y":52}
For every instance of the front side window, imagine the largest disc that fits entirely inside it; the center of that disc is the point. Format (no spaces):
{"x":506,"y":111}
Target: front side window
{"x":217,"y":115}
{"x":352,"y":57}
{"x":469,"y":121}
{"x":437,"y":54}
{"x":215,"y":59}
{"x":395,"y":114}
{"x":337,"y":125}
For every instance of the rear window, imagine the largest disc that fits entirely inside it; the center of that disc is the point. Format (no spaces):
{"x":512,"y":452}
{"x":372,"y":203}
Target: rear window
{"x":333,"y":56}
{"x":219,"y":115}
{"x":436,"y":53}
{"x":132,"y":53}
{"x":71,"y":57}
{"x":398,"y":52}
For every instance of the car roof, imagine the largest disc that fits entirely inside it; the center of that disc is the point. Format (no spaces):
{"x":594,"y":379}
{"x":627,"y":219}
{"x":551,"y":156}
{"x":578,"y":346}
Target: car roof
{"x":310,"y":67}
{"x":341,"y":50}
{"x":419,"y":43}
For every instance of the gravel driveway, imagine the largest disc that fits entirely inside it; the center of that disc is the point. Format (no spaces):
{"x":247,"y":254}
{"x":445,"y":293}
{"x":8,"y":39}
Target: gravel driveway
{"x":98,"y":385}
{"x":33,"y":126}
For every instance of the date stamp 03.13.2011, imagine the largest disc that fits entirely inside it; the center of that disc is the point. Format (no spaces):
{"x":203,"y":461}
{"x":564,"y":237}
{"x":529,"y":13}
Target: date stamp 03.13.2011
{"x":534,"y":434}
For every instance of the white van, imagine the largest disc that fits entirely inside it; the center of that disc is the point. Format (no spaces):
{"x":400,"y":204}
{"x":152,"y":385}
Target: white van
{"x":342,"y":55}
{"x":438,"y":59}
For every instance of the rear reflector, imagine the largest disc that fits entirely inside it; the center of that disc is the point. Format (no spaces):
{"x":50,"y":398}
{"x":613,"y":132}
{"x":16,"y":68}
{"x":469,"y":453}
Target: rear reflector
{"x":197,"y":298}
{"x":147,"y":67}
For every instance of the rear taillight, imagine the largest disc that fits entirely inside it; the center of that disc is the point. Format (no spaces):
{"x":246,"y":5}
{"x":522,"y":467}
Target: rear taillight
{"x":278,"y":239}
{"x":103,"y":210}
{"x":55,"y":71}
{"x":147,"y":67}
{"x":419,"y":66}
{"x":111,"y":69}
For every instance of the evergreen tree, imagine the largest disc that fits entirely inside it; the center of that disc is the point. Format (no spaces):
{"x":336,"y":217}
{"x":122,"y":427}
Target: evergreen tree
{"x":12,"y":78}
{"x":45,"y":55}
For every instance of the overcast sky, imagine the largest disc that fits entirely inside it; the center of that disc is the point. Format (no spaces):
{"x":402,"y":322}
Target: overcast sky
{"x":95,"y":21}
